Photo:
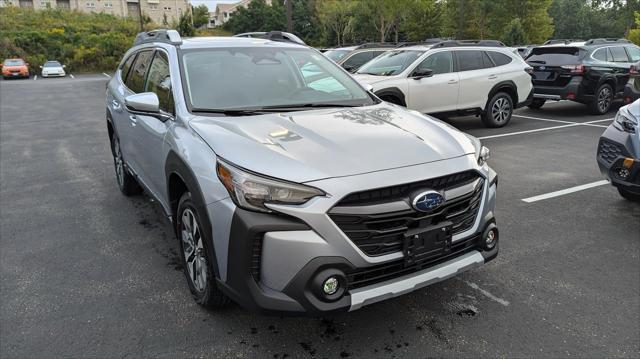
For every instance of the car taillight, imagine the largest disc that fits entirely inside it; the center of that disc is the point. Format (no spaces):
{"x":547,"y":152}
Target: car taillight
{"x":575,"y":69}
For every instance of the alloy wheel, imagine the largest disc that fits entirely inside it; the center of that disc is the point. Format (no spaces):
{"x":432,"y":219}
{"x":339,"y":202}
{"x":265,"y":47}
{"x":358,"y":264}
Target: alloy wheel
{"x":501,"y":110}
{"x":119,"y":163}
{"x":604,"y":99}
{"x":193,"y":250}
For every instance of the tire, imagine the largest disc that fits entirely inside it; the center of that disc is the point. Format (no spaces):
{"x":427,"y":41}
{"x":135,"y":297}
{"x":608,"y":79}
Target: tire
{"x":537,"y":103}
{"x":631,"y":196}
{"x":196,"y":256}
{"x":498,"y":111}
{"x":603,"y":99}
{"x":126,"y":182}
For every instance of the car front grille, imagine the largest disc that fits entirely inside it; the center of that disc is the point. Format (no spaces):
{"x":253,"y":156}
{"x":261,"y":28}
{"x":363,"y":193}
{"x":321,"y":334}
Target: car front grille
{"x":609,"y":151}
{"x":383,"y":233}
{"x":391,"y":270}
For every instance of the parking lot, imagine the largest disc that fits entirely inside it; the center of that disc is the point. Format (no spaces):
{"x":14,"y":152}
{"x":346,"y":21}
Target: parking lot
{"x":87,"y":272}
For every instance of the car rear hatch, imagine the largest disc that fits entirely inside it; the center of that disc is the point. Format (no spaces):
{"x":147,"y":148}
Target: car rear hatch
{"x":554,"y":66}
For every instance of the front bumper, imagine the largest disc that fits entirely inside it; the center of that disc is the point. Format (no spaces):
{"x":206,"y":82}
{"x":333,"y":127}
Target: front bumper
{"x":57,"y":74}
{"x":273,"y":261}
{"x":613,"y":148}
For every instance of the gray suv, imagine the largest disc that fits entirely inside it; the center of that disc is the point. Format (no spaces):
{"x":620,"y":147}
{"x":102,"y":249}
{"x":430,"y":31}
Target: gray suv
{"x":292,"y":188}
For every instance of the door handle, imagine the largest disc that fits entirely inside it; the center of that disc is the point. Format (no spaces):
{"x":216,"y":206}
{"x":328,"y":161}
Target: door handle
{"x":493,"y":77}
{"x":133,"y":119}
{"x":452,"y":82}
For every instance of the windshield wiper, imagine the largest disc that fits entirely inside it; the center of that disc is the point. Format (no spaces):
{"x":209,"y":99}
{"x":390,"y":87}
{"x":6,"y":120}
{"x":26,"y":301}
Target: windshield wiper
{"x":307,"y":105}
{"x":227,"y":112}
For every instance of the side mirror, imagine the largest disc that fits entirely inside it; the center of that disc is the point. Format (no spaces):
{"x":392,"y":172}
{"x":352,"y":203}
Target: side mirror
{"x":368,"y":87}
{"x":40,"y":66}
{"x":64,"y":66}
{"x":422,"y":73}
{"x":350,"y":69}
{"x":143,"y":103}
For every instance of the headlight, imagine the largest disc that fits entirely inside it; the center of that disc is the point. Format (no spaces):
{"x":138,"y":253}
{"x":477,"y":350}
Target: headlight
{"x":627,"y":123}
{"x":252,"y":192}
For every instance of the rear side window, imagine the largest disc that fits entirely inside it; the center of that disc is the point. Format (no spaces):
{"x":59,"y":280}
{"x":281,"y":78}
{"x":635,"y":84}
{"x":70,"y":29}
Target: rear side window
{"x":602,"y":55}
{"x":135,"y":80}
{"x":470,"y":60}
{"x":159,"y":81}
{"x":555,"y":56}
{"x":619,"y":55}
{"x":124,"y":70}
{"x":634,"y":53}
{"x":499,"y":59}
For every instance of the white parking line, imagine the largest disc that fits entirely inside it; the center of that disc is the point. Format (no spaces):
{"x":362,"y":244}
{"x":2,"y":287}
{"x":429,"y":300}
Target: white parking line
{"x":588,"y":123}
{"x":107,"y":75}
{"x":35,"y":77}
{"x":565,"y":191}
{"x":71,"y":75}
{"x":487,"y":294}
{"x":528,"y":131}
{"x":568,"y":124}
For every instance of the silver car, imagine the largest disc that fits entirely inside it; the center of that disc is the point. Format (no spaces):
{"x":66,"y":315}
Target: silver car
{"x":294,"y":190}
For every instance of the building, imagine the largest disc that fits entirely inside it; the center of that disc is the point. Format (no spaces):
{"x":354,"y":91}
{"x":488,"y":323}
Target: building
{"x":155,"y":9}
{"x":223,"y":11}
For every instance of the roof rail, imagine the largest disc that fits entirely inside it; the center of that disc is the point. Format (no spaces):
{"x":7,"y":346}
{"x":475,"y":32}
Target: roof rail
{"x":161,"y":35}
{"x":376,"y":44}
{"x":273,"y":36}
{"x":606,"y":41}
{"x":561,"y":41}
{"x":460,"y":43}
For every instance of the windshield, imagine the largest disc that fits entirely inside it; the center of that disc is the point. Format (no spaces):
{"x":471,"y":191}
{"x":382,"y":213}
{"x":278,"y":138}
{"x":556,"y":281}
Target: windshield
{"x":336,"y":55}
{"x":52,"y":64}
{"x":555,"y":56}
{"x":391,"y":63}
{"x":13,"y":62}
{"x":259,"y":77}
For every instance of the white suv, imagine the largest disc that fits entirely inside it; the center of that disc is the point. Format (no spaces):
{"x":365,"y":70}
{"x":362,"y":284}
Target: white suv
{"x":483,"y":78}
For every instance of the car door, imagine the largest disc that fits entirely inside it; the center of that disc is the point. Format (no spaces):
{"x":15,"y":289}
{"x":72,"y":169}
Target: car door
{"x":477,"y":78}
{"x":437,"y":92}
{"x":134,"y":83}
{"x":149,"y":131}
{"x":621,"y":63}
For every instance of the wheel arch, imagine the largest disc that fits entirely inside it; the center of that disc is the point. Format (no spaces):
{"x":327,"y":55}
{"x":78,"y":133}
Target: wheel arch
{"x":110,"y":129}
{"x":508,"y":87}
{"x":608,"y":79}
{"x":392,"y":92}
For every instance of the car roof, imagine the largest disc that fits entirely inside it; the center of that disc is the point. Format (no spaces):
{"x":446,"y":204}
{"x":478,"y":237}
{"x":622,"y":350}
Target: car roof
{"x":222,"y":42}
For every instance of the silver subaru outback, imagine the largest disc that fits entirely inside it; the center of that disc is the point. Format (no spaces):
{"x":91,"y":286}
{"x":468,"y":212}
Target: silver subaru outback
{"x":291,"y":187}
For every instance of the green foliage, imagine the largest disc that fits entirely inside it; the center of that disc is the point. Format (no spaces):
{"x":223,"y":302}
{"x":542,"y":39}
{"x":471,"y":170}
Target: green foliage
{"x":200,"y":16}
{"x":185,"y":26}
{"x":634,"y":34}
{"x":592,"y":19}
{"x":258,"y":16}
{"x":514,"y":35}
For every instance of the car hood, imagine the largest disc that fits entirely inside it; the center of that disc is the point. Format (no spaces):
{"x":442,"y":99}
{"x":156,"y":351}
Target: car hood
{"x":312,"y":145}
{"x":371,"y":79}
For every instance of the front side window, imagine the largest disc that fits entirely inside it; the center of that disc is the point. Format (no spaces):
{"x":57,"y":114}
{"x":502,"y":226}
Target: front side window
{"x":391,"y":63}
{"x":439,"y":63}
{"x":618,"y":53}
{"x":634,"y":53}
{"x":124,"y":70}
{"x":336,"y":55}
{"x":257,"y":78}
{"x":359,"y":59}
{"x":469,"y":60}
{"x":159,"y":81}
{"x":135,"y":80}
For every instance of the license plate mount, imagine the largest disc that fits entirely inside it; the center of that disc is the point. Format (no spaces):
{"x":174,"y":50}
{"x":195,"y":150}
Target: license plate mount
{"x":424,"y":244}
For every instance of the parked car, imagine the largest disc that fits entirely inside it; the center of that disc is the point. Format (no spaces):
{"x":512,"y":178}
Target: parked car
{"x":619,"y":152}
{"x":272,"y":35}
{"x":484,"y":78}
{"x":594,"y":72}
{"x":286,"y":197}
{"x":524,"y":50}
{"x":14,"y":68}
{"x":632,"y":88}
{"x":53,"y":69}
{"x":351,"y":58}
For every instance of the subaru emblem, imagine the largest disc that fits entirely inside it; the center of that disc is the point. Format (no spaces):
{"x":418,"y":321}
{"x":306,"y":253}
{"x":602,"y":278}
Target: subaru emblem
{"x":427,"y":201}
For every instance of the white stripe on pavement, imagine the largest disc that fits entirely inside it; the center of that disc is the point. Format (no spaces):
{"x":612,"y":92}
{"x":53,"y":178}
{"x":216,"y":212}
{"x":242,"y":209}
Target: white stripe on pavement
{"x":528,"y":131}
{"x":542,"y":119}
{"x":71,"y":75}
{"x":565,"y":191}
{"x":35,"y":77}
{"x":106,"y":75}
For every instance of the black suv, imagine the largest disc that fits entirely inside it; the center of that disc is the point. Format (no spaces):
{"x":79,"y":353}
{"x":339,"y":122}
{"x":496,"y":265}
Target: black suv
{"x":594,"y":72}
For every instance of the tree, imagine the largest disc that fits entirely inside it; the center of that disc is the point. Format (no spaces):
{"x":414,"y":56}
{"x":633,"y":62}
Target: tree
{"x":514,"y":34}
{"x":634,"y":34}
{"x":185,"y":26}
{"x":200,"y":16}
{"x":571,"y":19}
{"x":336,"y":16}
{"x":257,"y":16}
{"x":423,"y":19}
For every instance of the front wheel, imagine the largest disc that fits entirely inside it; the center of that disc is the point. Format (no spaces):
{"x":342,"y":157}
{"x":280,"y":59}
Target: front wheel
{"x":537,"y":103}
{"x":498,"y":111}
{"x":603,"y":99}
{"x":126,"y":182}
{"x":628,"y":195}
{"x":196,"y":255}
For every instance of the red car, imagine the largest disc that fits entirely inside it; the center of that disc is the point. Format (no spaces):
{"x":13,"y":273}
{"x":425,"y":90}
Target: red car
{"x":15,"y":68}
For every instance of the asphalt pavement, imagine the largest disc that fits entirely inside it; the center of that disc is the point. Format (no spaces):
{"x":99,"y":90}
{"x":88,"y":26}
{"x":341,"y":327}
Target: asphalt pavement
{"x":87,"y":272}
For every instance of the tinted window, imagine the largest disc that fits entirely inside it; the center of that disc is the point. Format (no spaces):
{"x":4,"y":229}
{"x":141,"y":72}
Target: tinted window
{"x":391,"y":63}
{"x":555,"y":55}
{"x":619,"y":55}
{"x":124,"y":70}
{"x":135,"y":80}
{"x":601,"y":54}
{"x":336,"y":55}
{"x":470,"y":60}
{"x":357,"y":60}
{"x":439,"y":63}
{"x":634,"y":53}
{"x":499,"y":59}
{"x":159,"y":81}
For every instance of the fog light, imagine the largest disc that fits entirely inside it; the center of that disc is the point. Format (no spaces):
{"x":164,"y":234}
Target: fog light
{"x":330,"y":286}
{"x":490,"y":241}
{"x":623,"y":173}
